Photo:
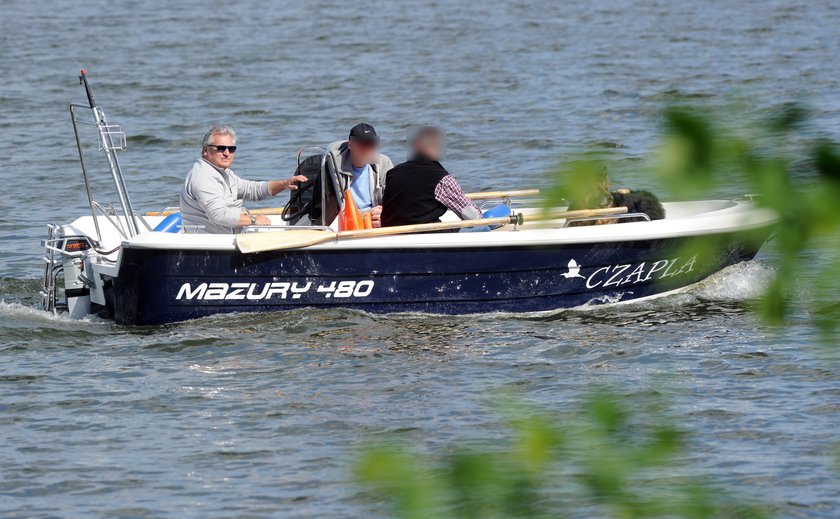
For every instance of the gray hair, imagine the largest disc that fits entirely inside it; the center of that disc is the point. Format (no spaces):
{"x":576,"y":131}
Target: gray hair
{"x":218,"y":129}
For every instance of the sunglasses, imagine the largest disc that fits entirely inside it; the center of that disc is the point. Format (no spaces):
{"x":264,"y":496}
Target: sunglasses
{"x":221,"y":149}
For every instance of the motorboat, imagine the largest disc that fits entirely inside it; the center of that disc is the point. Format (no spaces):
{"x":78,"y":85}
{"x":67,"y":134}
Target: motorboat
{"x":129,"y":267}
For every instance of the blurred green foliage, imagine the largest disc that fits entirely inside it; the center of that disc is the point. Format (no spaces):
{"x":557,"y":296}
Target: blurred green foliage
{"x":796,"y":176}
{"x":598,"y":462}
{"x":707,"y":151}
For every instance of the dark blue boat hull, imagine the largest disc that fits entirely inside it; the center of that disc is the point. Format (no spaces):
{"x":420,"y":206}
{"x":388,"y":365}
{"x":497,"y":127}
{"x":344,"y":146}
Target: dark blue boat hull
{"x":160,"y":286}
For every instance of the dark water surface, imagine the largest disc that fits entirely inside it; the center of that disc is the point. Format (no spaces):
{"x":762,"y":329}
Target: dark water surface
{"x":261,"y":415}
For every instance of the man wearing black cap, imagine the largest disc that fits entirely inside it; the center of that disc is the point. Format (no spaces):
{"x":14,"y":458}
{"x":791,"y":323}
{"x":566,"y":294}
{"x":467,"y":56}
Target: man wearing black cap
{"x":362,"y":169}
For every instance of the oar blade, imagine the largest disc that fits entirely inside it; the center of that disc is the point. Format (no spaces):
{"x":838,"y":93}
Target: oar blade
{"x":251,"y":242}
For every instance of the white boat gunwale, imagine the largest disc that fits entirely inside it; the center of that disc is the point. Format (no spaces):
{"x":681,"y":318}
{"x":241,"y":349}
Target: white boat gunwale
{"x":730,"y":216}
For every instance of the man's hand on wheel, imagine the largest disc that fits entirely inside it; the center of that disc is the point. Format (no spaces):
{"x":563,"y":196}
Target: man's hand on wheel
{"x":297,"y":178}
{"x":275,"y":186}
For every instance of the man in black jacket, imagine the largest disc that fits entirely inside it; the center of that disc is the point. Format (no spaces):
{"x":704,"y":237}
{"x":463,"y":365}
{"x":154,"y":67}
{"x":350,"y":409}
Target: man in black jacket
{"x":421,"y":190}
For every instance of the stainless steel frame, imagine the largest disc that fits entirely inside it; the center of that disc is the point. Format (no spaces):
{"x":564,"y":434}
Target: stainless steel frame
{"x":111,"y":139}
{"x":609,"y":217}
{"x":263,"y":228}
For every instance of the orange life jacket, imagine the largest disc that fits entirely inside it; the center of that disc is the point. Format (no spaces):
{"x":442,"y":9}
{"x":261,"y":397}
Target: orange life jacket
{"x":350,"y":219}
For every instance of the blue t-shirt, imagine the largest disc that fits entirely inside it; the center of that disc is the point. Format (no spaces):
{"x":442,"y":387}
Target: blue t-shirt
{"x":360,"y":188}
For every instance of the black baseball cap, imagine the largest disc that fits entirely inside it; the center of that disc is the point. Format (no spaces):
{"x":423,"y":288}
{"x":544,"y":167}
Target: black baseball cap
{"x":363,"y":132}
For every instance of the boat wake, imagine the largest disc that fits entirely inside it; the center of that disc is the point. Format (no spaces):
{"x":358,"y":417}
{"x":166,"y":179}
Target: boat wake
{"x":23,"y":314}
{"x":740,"y":282}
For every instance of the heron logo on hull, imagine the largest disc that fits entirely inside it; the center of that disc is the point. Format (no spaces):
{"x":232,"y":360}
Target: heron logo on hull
{"x":630,"y":273}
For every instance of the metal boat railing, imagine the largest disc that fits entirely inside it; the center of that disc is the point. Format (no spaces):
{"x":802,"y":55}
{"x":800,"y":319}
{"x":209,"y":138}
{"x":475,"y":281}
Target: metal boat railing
{"x":624,"y":216}
{"x":266,"y":228}
{"x":51,"y":268}
{"x":58,"y":247}
{"x":528,"y":201}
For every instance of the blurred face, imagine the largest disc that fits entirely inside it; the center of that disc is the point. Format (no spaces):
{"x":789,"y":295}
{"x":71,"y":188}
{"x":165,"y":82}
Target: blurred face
{"x":362,"y":152}
{"x":431,"y":147}
{"x":219,"y":157}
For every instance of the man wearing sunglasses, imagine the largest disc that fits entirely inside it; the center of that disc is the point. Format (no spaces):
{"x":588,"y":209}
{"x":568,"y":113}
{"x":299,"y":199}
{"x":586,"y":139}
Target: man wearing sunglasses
{"x":362,"y":169}
{"x":212,"y":195}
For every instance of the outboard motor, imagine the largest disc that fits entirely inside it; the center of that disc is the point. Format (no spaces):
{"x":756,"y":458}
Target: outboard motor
{"x":76,"y":289}
{"x":66,"y":255}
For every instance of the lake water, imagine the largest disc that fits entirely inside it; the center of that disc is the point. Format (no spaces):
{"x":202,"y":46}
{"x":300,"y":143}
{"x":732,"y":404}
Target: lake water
{"x":262,"y":415}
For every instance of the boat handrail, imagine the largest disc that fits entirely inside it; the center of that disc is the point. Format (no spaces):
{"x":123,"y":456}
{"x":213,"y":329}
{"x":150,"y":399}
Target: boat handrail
{"x":526,"y":201}
{"x":611,"y":217}
{"x":165,"y":211}
{"x":191,"y":229}
{"x":263,"y":228}
{"x":56,"y":242}
{"x":116,"y":223}
{"x":494,"y":202}
{"x":48,"y":244}
{"x":51,"y":268}
{"x":146,"y":224}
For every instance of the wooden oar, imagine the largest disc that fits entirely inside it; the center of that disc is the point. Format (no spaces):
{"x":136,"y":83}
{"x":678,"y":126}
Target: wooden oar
{"x":296,"y":239}
{"x":481,"y":195}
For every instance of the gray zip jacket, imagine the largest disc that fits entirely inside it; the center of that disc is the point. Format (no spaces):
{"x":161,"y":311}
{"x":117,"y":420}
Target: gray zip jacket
{"x":213,"y":197}
{"x":378,"y":169}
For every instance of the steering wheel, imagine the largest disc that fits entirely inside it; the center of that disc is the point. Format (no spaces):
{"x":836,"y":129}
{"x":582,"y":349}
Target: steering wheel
{"x":287,"y":216}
